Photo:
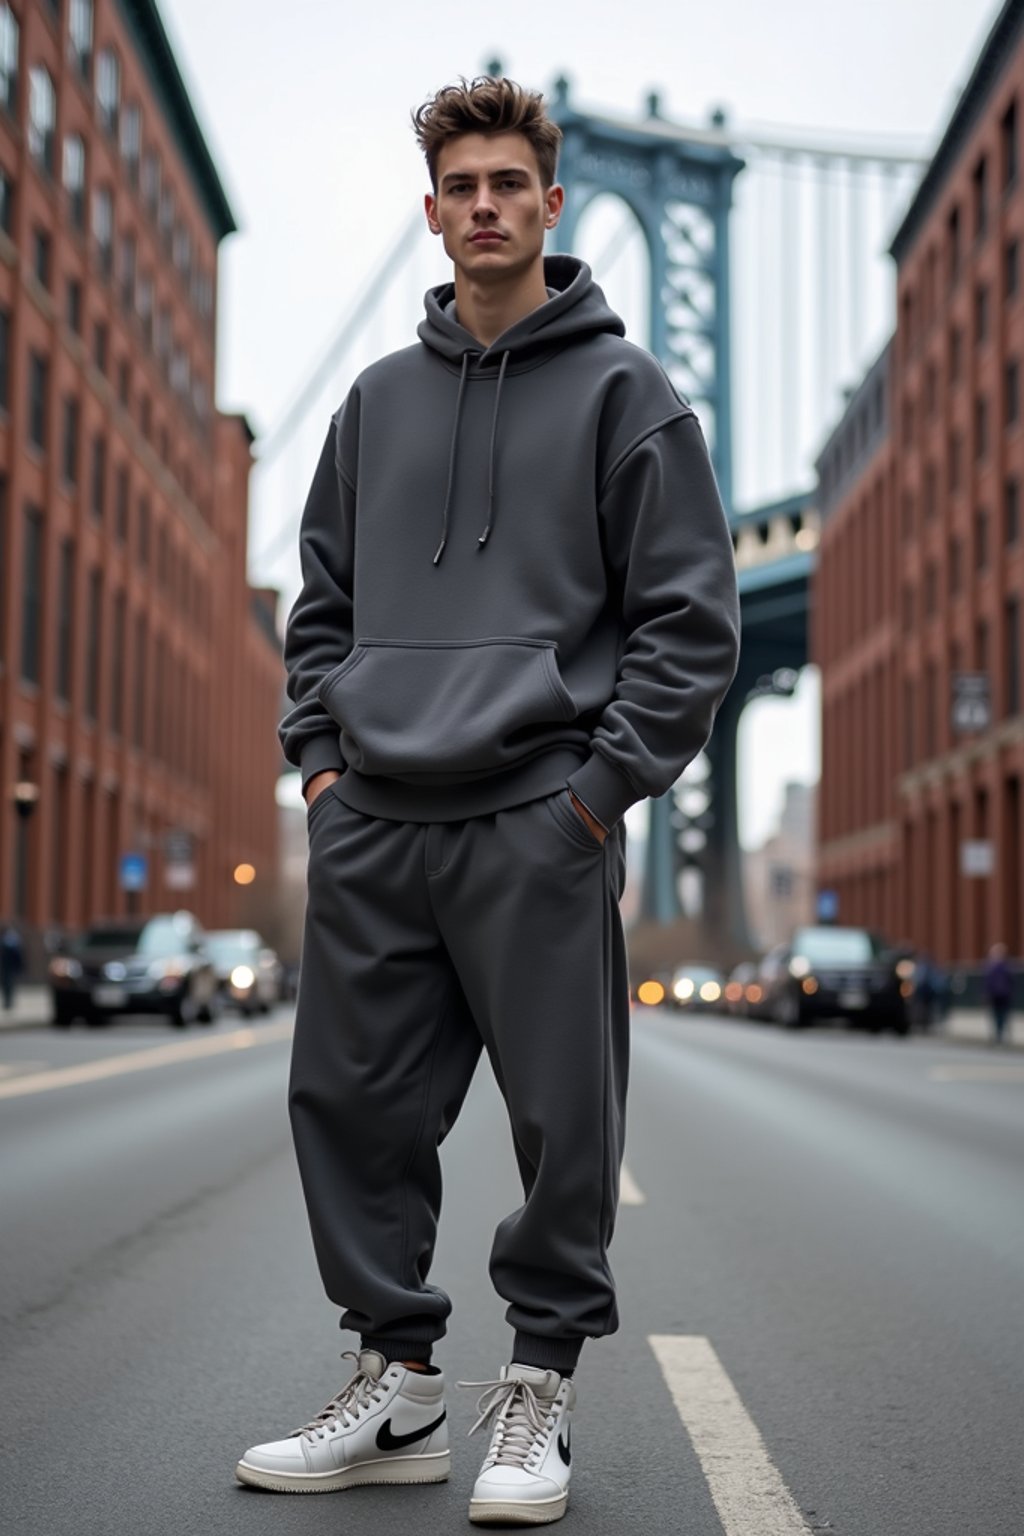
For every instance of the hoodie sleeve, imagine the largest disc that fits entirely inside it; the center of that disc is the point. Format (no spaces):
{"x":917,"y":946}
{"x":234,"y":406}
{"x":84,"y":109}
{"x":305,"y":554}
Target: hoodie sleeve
{"x":667,"y":541}
{"x":319,"y":630}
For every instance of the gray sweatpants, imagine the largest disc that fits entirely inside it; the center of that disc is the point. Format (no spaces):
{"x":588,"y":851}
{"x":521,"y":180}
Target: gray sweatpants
{"x":422,"y":943}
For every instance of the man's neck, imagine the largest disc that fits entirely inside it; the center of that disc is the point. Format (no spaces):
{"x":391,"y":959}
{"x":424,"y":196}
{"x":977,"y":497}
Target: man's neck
{"x":487,"y":310}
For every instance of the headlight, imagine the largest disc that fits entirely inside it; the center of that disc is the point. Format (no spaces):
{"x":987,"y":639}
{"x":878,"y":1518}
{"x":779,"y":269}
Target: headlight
{"x":65,"y":969}
{"x":799,"y":965}
{"x":242,"y":977}
{"x":168,"y":970}
{"x":683,"y":989}
{"x":651,"y":993}
{"x":710,"y":992}
{"x":905,"y":970}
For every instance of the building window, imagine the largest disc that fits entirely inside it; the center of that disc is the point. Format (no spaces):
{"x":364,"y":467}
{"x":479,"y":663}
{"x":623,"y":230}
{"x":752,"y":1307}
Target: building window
{"x":1011,"y":268}
{"x":74,"y":306}
{"x":931,"y":492}
{"x":69,"y":441}
{"x":121,"y":504}
{"x":139,"y":707}
{"x":41,"y":248}
{"x":108,"y":88}
{"x":930,"y":689}
{"x":6,"y":203}
{"x":65,"y":615}
{"x":144,"y":304}
{"x":98,"y":478}
{"x":1011,"y":510}
{"x":9,"y":38}
{"x":5,"y":359}
{"x":908,"y":608}
{"x":32,"y":595}
{"x":956,"y":446}
{"x":931,"y":389}
{"x":42,"y":118}
{"x":80,"y":36}
{"x":100,"y":346}
{"x":117,"y":665}
{"x":953,"y":243}
{"x":92,"y":643}
{"x":1008,"y":143}
{"x":981,"y":540}
{"x":908,"y":423}
{"x":127,"y":272}
{"x":955,"y":565}
{"x":956,"y":352}
{"x":124,"y":378}
{"x":182,"y":254}
{"x":981,"y":314}
{"x":168,"y":210}
{"x":74,"y":178}
{"x":908,"y":723}
{"x":929,"y":590}
{"x":144,"y":531}
{"x":979,"y":191}
{"x":145,"y":416}
{"x":1012,"y":623}
{"x":1011,"y":392}
{"x":151,"y":177}
{"x":38,"y":379}
{"x":981,"y":646}
{"x":103,"y":227}
{"x":131,"y":140}
{"x":980,"y":427}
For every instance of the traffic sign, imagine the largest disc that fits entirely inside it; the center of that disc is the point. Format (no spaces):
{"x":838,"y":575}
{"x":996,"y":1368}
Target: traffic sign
{"x":133,"y":872}
{"x":972,"y":702}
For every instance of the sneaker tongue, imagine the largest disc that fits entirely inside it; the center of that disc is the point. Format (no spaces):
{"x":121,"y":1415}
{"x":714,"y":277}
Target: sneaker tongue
{"x":373,"y":1364}
{"x":544,"y":1383}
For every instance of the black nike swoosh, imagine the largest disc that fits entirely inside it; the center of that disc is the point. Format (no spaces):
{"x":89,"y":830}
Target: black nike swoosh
{"x":565,"y":1451}
{"x":386,"y":1441}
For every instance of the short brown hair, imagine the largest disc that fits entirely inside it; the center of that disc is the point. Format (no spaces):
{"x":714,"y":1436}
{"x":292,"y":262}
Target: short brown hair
{"x":487,"y":105}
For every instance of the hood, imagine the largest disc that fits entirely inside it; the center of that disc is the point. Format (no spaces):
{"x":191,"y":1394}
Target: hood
{"x":575,"y":309}
{"x":578,"y":309}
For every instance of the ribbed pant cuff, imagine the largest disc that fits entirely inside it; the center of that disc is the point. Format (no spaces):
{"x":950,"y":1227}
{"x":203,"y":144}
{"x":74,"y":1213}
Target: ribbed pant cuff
{"x":546,"y":1354}
{"x":398,"y":1349}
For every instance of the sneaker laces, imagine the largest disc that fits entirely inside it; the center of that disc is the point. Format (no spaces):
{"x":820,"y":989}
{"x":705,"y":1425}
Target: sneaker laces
{"x":344,"y":1409}
{"x":519,"y":1417}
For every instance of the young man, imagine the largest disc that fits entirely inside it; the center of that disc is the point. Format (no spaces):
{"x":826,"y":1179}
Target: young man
{"x":518,"y":617}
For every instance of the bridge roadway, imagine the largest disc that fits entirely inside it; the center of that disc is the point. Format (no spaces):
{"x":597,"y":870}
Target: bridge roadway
{"x":821,"y":1276}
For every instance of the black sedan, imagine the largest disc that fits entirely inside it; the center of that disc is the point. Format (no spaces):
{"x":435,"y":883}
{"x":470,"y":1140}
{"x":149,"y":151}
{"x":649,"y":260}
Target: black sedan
{"x":157,"y":965}
{"x":827,"y":973}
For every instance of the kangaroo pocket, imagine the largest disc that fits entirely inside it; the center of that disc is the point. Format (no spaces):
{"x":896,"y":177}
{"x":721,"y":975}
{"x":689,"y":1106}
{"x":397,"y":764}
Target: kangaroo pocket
{"x":448,"y":708}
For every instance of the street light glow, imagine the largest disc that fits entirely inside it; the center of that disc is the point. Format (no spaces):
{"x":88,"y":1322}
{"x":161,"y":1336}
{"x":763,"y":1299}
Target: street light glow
{"x":245,"y":874}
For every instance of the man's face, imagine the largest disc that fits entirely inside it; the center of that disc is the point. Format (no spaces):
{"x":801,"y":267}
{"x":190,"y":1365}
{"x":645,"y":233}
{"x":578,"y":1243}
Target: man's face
{"x":490,"y":208}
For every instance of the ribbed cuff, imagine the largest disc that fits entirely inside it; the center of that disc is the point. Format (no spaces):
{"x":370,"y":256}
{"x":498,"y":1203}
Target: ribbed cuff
{"x":606,"y":793}
{"x":321,"y":754}
{"x":398,"y":1349}
{"x":546,"y":1354}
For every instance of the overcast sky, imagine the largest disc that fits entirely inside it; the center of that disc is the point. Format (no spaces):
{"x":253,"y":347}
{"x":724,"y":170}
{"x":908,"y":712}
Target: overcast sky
{"x":305,"y":107}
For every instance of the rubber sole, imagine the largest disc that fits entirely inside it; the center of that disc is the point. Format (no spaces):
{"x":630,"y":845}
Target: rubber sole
{"x":512,"y":1512}
{"x":433,"y":1468}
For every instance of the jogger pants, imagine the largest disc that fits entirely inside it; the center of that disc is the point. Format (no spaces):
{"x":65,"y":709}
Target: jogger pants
{"x":424,"y":942}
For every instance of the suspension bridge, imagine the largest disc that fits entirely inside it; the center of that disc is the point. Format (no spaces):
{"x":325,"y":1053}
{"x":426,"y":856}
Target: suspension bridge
{"x":751,"y":263}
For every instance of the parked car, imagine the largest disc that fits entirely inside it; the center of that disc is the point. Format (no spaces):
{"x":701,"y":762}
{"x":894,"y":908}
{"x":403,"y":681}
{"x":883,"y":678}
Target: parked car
{"x":696,"y":988}
{"x":120,"y":966}
{"x":828,"y":972}
{"x":743,"y":995}
{"x":249,"y":974}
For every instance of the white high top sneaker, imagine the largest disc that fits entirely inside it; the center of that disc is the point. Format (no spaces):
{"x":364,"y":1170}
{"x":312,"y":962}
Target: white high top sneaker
{"x":387,"y":1425}
{"x":525,"y":1476}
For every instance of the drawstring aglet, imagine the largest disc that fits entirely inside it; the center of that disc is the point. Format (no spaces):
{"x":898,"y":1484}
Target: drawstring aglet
{"x":482,"y":540}
{"x":440,"y":552}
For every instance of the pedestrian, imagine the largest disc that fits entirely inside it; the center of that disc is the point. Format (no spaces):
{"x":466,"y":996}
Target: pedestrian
{"x":12,"y":963}
{"x":999,"y":989}
{"x":518,"y":617}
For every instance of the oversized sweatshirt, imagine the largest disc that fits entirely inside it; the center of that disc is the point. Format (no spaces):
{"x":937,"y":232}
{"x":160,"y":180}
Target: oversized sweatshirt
{"x":516,"y":572}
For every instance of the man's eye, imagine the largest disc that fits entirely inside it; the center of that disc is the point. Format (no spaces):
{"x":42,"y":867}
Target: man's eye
{"x":511,"y":181}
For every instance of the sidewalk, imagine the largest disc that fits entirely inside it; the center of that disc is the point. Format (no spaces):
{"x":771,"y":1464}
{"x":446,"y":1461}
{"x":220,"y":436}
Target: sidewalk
{"x":32,"y":1010}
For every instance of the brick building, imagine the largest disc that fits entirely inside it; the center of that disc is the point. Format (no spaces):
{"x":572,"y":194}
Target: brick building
{"x":139,"y":675}
{"x":921,"y":581}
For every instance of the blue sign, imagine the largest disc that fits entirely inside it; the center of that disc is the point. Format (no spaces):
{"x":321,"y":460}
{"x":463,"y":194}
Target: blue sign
{"x":133,"y":871}
{"x":828,"y":906}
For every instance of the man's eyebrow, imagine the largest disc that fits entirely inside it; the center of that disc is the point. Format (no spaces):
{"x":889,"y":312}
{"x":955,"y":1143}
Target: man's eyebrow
{"x":510,"y":170}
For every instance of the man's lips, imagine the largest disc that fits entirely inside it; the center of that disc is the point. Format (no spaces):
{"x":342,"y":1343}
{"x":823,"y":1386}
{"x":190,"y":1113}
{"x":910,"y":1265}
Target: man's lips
{"x":486,"y":237}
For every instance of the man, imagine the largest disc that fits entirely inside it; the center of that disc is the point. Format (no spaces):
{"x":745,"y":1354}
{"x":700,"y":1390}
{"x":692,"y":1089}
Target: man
{"x":518,"y":617}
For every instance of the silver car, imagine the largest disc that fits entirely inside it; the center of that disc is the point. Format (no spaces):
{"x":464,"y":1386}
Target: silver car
{"x":248,"y":972}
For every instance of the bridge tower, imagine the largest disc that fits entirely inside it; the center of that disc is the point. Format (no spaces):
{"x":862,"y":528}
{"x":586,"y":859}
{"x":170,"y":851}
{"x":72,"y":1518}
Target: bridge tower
{"x":678,"y":185}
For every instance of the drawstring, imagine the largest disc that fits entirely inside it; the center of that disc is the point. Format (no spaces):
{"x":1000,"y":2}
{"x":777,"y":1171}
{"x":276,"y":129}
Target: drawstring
{"x":482,"y":540}
{"x":451,"y":458}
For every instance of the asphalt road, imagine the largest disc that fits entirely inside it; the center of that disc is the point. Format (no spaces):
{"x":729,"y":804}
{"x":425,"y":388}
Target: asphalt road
{"x":840,"y":1219}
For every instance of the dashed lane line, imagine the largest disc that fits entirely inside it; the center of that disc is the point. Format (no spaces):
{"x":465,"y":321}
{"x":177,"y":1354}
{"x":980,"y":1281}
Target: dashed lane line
{"x":630,"y":1192}
{"x":144,"y":1060}
{"x":748,"y":1492}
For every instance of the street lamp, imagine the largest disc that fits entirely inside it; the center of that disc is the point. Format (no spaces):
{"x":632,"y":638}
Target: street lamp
{"x":25,"y":795}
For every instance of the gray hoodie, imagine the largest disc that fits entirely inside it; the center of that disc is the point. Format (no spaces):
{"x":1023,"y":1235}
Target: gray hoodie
{"x":517,"y":572}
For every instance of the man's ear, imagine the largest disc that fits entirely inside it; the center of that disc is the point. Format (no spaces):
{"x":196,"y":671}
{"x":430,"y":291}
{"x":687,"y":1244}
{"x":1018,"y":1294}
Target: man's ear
{"x":430,"y":207}
{"x":554,"y":202}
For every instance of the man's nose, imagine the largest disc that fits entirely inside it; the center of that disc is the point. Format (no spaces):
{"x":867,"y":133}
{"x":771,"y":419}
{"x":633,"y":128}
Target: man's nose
{"x":483,"y":205}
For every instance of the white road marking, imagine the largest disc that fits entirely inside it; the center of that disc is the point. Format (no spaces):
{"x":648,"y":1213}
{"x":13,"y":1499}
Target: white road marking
{"x":979,"y":1072}
{"x":144,"y":1060}
{"x":16,"y":1068}
{"x":749,"y":1495}
{"x":630,"y":1192}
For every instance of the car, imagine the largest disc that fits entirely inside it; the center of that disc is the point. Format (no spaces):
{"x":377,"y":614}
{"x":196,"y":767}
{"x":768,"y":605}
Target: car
{"x":146,"y":965}
{"x":833,"y":972}
{"x":696,"y":988}
{"x":249,"y":974}
{"x":743,"y":995}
